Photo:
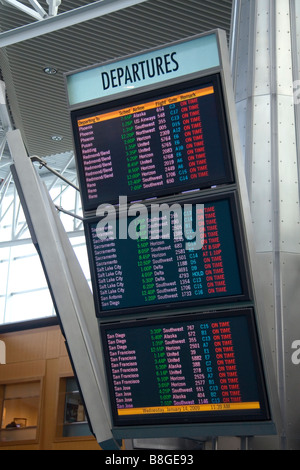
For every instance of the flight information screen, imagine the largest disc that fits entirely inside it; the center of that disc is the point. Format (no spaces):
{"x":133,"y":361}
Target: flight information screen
{"x":188,"y":257}
{"x":156,"y":143}
{"x":196,"y":368}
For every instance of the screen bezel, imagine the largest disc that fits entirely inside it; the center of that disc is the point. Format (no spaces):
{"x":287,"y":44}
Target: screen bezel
{"x":242,"y":264}
{"x":141,"y":96}
{"x":202,"y":417}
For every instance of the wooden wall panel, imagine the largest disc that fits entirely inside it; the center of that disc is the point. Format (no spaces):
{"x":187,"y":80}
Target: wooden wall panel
{"x":25,"y":346}
{"x":20,"y":371}
{"x":41,"y":354}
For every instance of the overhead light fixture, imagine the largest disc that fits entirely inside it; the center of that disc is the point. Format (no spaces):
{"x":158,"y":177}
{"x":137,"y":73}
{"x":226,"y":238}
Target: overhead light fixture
{"x":50,"y":70}
{"x":56,"y":138}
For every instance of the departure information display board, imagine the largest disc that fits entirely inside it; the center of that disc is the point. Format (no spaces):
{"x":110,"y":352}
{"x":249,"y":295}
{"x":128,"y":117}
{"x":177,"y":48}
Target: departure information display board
{"x":197,"y":368}
{"x":159,"y":143}
{"x":156,"y":270}
{"x":163,"y":198}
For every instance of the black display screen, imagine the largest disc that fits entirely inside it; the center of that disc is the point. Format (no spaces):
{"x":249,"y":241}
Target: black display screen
{"x":158,"y":267}
{"x":188,"y":369}
{"x":156,"y":143}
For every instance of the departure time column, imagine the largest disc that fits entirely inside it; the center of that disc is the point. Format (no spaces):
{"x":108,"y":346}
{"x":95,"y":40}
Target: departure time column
{"x":134,"y":180}
{"x":159,"y":353}
{"x":145,"y":262}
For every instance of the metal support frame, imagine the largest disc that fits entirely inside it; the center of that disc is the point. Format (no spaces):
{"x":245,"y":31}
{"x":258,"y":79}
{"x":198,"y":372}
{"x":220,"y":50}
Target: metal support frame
{"x":3,"y":188}
{"x":18,"y":227}
{"x":37,"y":14}
{"x":5,"y":118}
{"x":13,"y":206}
{"x":70,"y":292}
{"x":59,"y":175}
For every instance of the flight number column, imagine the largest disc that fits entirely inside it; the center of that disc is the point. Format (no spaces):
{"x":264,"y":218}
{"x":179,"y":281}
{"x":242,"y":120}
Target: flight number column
{"x":182,"y":256}
{"x":166,"y":139}
{"x":188,"y":261}
{"x":197,"y":364}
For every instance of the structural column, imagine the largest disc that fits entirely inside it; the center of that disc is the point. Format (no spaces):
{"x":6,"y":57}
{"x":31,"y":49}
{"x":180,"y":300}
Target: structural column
{"x":265,"y":52}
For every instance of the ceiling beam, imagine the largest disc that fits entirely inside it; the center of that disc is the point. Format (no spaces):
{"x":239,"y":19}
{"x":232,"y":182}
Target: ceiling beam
{"x":64,"y":20}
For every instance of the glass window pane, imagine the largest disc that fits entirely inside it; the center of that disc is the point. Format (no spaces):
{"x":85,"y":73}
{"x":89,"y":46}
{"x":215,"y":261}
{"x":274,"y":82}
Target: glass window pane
{"x":26,"y":273}
{"x":4,"y":253}
{"x":20,"y":411}
{"x":72,"y":420}
{"x":81,"y":253}
{"x":7,"y":211}
{"x":3,"y":276}
{"x":2,"y":309}
{"x":74,"y":410}
{"x":28,"y":306}
{"x":24,"y":293}
{"x":6,"y":218}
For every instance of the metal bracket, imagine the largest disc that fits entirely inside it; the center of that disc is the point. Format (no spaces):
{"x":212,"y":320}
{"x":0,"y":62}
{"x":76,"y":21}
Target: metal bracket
{"x":34,"y":158}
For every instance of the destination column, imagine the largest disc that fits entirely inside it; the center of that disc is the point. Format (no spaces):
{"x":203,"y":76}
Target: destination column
{"x":109,"y":271}
{"x":125,"y":371}
{"x":97,"y":160}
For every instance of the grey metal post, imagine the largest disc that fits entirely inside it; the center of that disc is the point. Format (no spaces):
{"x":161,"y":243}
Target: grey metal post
{"x":69,"y":288}
{"x":265,"y":66}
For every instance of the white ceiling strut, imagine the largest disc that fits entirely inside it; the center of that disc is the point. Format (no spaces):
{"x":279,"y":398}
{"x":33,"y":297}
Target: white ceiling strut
{"x":20,"y":6}
{"x":63,"y":20}
{"x":39,"y":13}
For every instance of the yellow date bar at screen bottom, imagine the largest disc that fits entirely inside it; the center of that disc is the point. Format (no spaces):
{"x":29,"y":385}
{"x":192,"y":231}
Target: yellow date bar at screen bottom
{"x":254,"y":405}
